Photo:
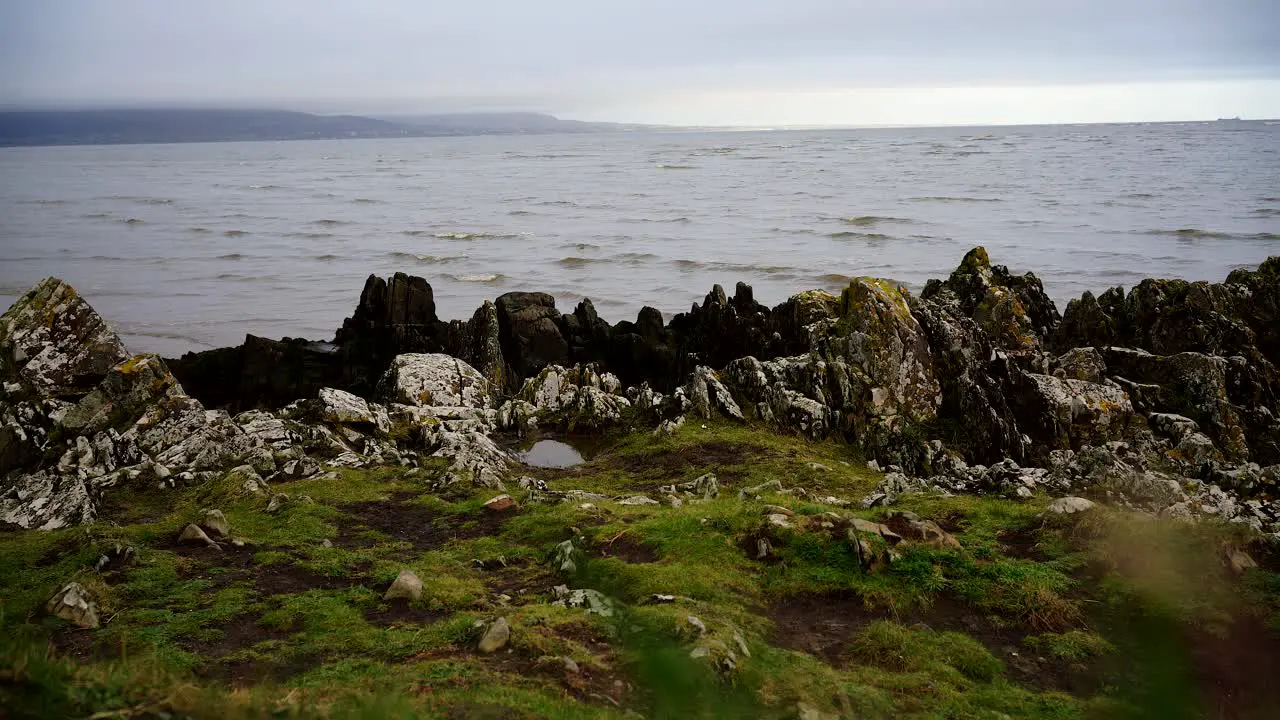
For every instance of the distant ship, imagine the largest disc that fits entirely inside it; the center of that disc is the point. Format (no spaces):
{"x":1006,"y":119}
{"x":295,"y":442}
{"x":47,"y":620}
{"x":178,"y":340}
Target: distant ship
{"x":1234,"y":119}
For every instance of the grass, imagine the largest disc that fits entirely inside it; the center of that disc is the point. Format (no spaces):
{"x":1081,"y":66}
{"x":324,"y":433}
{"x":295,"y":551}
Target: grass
{"x":1090,"y":616}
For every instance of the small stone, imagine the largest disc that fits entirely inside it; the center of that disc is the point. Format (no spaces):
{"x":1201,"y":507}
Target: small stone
{"x":194,"y":535}
{"x":278,"y":501}
{"x":1237,"y":560}
{"x":501,"y":503}
{"x":496,"y":637}
{"x":217,"y":523}
{"x":818,"y":467}
{"x":326,"y":543}
{"x":777,"y":510}
{"x":74,"y":603}
{"x":238,"y":543}
{"x":779,"y":520}
{"x":1069,"y":505}
{"x":586,"y":506}
{"x":570,"y":666}
{"x":659,"y":598}
{"x":763,"y":548}
{"x":697,"y":624}
{"x":638,"y":500}
{"x":741,"y":642}
{"x":674,"y":501}
{"x":407,"y":586}
{"x":1025,"y":492}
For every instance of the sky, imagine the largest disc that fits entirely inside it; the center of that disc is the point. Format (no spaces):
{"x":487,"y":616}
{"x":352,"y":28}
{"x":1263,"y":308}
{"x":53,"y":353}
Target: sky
{"x":751,"y":63}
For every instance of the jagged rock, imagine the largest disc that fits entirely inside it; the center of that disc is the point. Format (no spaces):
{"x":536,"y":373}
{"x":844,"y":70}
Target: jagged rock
{"x":708,"y":396}
{"x":1080,"y":364}
{"x":496,"y":637}
{"x":473,"y":458}
{"x":911,"y":527}
{"x":705,"y":486}
{"x":434,"y":380}
{"x":565,"y":558}
{"x":1013,"y":311}
{"x":54,"y":344}
{"x":47,"y":501}
{"x":127,"y":391}
{"x":530,"y":333}
{"x":576,"y":398}
{"x":217,"y":523}
{"x":74,"y":603}
{"x":1237,"y":560}
{"x":192,"y":534}
{"x":406,"y":586}
{"x":339,"y":406}
{"x":1069,"y":505}
{"x":1062,"y":413}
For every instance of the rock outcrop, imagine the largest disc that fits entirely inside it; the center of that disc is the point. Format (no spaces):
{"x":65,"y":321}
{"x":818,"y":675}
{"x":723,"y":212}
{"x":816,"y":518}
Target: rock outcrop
{"x":1163,"y":398}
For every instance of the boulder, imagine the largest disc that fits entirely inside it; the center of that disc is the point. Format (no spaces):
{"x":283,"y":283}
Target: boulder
{"x":1063,"y":414}
{"x":406,"y":586}
{"x":1012,"y":311}
{"x":500,"y":503}
{"x":193,"y":534}
{"x":127,"y":391}
{"x":54,"y":344}
{"x":217,"y":523}
{"x":434,"y":380}
{"x":573,"y":398}
{"x":1069,"y":505}
{"x":496,"y":636}
{"x":74,"y":603}
{"x":341,"y":407}
{"x":530,"y":334}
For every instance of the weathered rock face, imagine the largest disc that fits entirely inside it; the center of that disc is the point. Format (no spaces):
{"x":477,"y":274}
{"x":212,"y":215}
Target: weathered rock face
{"x":1064,"y":414}
{"x":574,"y":398}
{"x":51,"y":340}
{"x":530,"y":333}
{"x":1013,"y":311}
{"x":434,"y":380}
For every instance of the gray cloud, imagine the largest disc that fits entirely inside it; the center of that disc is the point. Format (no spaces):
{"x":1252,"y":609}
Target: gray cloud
{"x":571,"y":55}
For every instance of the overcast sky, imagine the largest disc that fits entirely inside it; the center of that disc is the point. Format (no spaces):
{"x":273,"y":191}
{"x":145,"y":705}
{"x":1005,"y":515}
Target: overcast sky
{"x":721,"y":62}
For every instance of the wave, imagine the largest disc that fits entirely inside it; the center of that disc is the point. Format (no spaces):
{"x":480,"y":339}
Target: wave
{"x":834,"y":279}
{"x":636,"y":258}
{"x":424,"y":259}
{"x":366,"y":201}
{"x":727,"y":267}
{"x":134,"y":221}
{"x":868,"y":220}
{"x":1139,"y":196}
{"x":231,"y":256}
{"x":326,"y":257}
{"x":521,"y":213}
{"x":310,"y":235}
{"x":682,"y":220}
{"x":847,"y":234}
{"x":1267,"y":212}
{"x":265,"y":187}
{"x":954,"y":199}
{"x":574,"y":261}
{"x":1198,"y":234}
{"x":199,"y":230}
{"x":487,"y":278}
{"x":96,"y":216}
{"x":579,"y":246}
{"x":557,"y":203}
{"x":236,"y":233}
{"x":331,"y":223}
{"x":664,"y":166}
{"x":46,"y":202}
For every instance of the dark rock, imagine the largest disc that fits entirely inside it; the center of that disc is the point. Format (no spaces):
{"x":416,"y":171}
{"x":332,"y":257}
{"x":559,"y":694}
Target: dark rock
{"x":1014,"y":311}
{"x":530,"y":334}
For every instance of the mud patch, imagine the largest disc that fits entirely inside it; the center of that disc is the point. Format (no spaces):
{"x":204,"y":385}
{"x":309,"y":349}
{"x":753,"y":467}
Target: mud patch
{"x":825,"y":624}
{"x":521,"y":579}
{"x":660,"y":467}
{"x":1236,"y":671}
{"x":400,"y":612}
{"x":419,"y":526}
{"x":238,"y":633}
{"x":628,"y":549}
{"x":242,"y":674}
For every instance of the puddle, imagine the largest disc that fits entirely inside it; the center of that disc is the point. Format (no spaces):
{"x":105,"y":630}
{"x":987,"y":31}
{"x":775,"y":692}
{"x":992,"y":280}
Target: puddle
{"x":551,"y":454}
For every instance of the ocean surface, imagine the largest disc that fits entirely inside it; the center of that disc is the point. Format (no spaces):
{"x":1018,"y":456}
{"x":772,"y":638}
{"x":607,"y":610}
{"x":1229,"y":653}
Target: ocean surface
{"x":186,"y":247}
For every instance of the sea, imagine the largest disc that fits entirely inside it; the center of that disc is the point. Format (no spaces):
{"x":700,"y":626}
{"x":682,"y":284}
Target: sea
{"x":191,"y":246}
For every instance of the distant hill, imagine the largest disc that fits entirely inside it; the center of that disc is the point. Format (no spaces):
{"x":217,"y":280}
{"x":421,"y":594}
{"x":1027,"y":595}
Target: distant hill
{"x":506,"y":123}
{"x":115,"y":127}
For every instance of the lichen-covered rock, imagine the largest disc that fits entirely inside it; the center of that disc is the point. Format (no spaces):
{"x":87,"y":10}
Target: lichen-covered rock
{"x":1064,"y":414}
{"x":707,"y":396}
{"x":1081,"y":364}
{"x":496,"y":636}
{"x":1013,"y":311}
{"x":74,"y":603}
{"x":435,"y":380}
{"x":54,"y":343}
{"x":128,"y":390}
{"x":47,"y":501}
{"x":1070,"y":505}
{"x":341,"y":407}
{"x":579,"y":397}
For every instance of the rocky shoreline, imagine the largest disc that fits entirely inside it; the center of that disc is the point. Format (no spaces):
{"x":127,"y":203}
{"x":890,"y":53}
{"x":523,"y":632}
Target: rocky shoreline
{"x":1163,"y":398}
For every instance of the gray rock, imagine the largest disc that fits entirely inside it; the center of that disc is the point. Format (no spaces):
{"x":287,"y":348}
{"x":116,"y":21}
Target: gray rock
{"x":193,"y":535}
{"x":496,"y":637}
{"x":593,"y":601}
{"x":74,"y":603}
{"x":637,"y":500}
{"x":340,"y":406}
{"x":217,"y":523}
{"x":433,"y":379}
{"x":406,"y":586}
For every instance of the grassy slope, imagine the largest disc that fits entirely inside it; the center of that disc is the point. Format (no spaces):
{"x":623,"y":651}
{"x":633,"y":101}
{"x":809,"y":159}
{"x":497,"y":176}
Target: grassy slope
{"x":1109,"y":615}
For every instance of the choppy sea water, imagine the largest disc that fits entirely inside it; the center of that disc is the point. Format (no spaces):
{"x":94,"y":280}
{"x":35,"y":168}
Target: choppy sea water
{"x":187,"y":247}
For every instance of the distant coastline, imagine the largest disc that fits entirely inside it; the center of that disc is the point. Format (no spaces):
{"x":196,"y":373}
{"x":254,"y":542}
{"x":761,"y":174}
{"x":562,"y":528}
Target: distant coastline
{"x":34,"y":128}
{"x":44,"y":128}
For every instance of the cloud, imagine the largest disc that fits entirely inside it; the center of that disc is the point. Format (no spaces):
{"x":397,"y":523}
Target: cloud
{"x":586,"y":56}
